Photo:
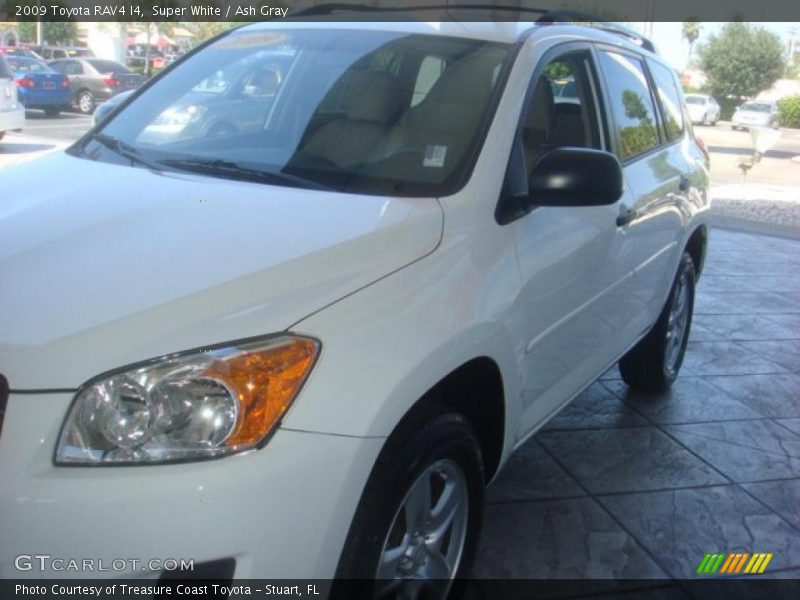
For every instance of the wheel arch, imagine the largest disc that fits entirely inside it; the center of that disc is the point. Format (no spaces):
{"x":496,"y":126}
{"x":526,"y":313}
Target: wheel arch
{"x":696,"y":246}
{"x":475,"y":390}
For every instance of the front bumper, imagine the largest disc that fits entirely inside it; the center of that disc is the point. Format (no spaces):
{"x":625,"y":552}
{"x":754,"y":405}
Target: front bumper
{"x":280,"y":512}
{"x":12,"y":120}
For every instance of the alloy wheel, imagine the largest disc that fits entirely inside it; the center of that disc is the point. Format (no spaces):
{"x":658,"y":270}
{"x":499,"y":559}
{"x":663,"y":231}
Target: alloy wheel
{"x":425,"y":543}
{"x":677,"y":325}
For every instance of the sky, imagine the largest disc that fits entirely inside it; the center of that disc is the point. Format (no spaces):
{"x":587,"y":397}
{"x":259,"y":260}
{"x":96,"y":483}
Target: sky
{"x":667,"y":38}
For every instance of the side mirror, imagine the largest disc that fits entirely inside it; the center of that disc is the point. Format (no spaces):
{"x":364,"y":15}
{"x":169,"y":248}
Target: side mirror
{"x":575,"y":177}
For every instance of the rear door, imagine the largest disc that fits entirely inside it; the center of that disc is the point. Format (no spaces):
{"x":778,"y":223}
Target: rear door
{"x":655,"y":173}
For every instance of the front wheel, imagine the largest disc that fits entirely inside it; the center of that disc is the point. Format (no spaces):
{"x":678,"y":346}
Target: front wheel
{"x":653,"y":363}
{"x":416,"y":527}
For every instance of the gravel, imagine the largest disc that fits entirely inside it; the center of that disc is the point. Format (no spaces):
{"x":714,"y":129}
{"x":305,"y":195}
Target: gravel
{"x":763,"y":208}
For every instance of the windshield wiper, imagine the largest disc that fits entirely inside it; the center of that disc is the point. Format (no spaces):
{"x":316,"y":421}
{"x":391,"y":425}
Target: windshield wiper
{"x":232,"y":170}
{"x":125,"y":150}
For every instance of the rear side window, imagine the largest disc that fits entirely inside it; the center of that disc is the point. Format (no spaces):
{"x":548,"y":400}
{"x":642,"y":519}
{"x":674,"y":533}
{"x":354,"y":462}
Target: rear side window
{"x":670,"y":99}
{"x":631,"y":104}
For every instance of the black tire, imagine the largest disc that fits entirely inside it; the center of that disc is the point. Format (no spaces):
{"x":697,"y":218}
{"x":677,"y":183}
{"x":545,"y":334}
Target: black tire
{"x":52,"y":112}
{"x":86,"y":102}
{"x":442,"y":437}
{"x":653,"y":364}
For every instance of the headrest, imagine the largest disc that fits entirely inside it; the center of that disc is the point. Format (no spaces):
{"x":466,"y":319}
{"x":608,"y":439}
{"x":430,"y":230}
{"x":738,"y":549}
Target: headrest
{"x":540,"y":114}
{"x":468,"y":80}
{"x":377,"y":101}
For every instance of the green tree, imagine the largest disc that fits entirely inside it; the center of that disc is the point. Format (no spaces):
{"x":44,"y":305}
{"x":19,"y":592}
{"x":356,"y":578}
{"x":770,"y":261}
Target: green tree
{"x":690,"y":32}
{"x":742,"y":60}
{"x":52,"y":32}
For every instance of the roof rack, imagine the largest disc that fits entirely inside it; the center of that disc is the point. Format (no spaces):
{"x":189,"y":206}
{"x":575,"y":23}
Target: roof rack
{"x":546,"y":16}
{"x":570,"y":16}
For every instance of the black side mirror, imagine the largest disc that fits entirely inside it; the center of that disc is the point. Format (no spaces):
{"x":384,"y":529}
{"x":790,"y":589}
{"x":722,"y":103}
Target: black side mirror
{"x":575,"y":177}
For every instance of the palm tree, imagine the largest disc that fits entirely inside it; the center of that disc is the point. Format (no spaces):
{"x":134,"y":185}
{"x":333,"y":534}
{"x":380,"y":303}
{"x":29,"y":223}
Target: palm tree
{"x":690,"y":32}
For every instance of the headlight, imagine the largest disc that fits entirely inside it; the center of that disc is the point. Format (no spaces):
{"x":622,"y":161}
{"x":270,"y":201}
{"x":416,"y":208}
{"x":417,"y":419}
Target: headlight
{"x":188,"y":407}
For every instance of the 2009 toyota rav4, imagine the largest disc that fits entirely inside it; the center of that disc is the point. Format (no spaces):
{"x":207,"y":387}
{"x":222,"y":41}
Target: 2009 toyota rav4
{"x":406,"y":248}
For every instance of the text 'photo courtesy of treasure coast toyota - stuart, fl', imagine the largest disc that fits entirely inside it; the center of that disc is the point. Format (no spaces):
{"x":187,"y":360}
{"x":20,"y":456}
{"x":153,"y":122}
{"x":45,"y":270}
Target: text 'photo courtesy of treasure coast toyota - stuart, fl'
{"x":293,"y":303}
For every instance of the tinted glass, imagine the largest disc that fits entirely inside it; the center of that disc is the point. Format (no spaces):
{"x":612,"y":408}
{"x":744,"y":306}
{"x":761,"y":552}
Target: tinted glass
{"x":332,"y":108}
{"x":670,"y":99}
{"x":757,"y":106}
{"x":108,"y":66}
{"x":699,"y":100}
{"x":631,"y":104}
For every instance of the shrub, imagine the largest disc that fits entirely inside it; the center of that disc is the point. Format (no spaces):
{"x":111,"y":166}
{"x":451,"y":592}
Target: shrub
{"x":789,"y":111}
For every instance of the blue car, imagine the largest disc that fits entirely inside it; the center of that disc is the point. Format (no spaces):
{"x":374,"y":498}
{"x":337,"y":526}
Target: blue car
{"x":39,"y":86}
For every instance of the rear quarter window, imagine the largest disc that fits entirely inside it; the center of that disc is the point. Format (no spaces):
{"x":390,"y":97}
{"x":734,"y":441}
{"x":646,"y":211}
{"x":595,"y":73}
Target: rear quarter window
{"x":669,"y":98}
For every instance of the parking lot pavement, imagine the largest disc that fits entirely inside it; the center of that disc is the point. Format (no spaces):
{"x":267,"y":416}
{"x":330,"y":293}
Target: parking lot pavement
{"x":636,"y":486}
{"x":728,"y":148}
{"x":40,"y":135}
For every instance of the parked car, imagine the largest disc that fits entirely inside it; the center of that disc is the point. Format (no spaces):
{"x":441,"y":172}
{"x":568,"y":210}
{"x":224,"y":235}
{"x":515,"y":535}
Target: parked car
{"x":12,"y":113}
{"x":39,"y":86}
{"x":703,"y":109}
{"x":58,"y":52}
{"x":357,"y":309}
{"x":756,"y":113}
{"x":94,"y":79}
{"x":19,"y":51}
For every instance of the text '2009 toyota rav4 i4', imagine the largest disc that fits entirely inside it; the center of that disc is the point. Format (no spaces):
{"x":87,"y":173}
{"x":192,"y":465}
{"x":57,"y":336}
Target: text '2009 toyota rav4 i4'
{"x":357,"y":265}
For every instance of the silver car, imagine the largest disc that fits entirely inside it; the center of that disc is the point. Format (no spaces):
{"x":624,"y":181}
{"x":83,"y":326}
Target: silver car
{"x":703,"y":109}
{"x":756,"y":113}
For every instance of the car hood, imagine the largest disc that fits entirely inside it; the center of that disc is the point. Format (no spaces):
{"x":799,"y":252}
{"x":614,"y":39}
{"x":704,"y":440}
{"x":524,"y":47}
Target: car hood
{"x":106,"y":265}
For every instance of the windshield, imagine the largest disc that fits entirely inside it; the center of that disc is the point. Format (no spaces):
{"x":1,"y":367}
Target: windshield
{"x":695,"y":100}
{"x":756,"y":106}
{"x":27,"y":65}
{"x":363,"y":111}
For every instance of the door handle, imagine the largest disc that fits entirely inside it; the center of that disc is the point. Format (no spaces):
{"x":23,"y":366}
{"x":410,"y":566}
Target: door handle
{"x":626,"y":217}
{"x":683,"y":184}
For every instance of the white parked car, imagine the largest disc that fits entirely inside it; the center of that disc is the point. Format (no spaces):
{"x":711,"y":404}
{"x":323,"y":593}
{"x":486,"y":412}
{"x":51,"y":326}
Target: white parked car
{"x":12,"y":112}
{"x":302,"y":348}
{"x":703,"y":109}
{"x":757,"y":113}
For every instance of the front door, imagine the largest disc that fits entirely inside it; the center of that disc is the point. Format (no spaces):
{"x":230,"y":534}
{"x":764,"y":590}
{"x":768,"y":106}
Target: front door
{"x":575,"y":262}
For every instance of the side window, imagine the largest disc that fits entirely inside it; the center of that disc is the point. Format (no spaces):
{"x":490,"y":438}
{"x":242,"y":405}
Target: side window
{"x":561,"y":109}
{"x":670,"y":99}
{"x":73,"y":67}
{"x":59,"y":54}
{"x":631,"y":104}
{"x":430,"y":70}
{"x":57,"y":67}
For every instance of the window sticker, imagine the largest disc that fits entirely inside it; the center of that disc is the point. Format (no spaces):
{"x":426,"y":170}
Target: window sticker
{"x":434,"y":156}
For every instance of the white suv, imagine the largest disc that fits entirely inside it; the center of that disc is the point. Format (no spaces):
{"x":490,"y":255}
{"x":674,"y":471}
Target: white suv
{"x":300,"y":343}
